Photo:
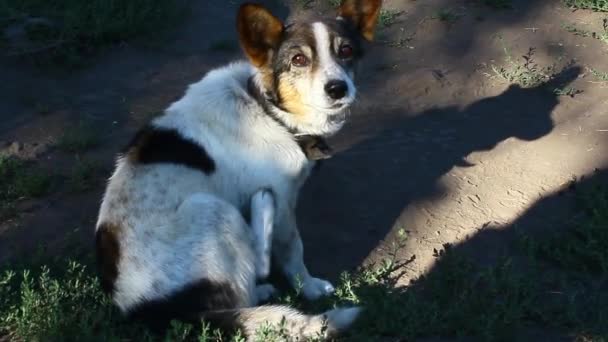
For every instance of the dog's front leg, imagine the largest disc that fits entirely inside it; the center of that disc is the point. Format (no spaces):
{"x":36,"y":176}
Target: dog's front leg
{"x":289,"y":255}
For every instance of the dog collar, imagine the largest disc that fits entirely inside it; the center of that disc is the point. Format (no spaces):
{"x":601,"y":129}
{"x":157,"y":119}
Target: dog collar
{"x":313,"y":146}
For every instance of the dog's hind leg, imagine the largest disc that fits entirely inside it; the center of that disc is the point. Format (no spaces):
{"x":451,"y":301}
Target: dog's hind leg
{"x":262,"y":221}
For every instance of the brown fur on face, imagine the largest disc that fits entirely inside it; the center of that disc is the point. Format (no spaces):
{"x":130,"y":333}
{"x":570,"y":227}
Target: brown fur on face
{"x":291,"y":97}
{"x":363,"y":14}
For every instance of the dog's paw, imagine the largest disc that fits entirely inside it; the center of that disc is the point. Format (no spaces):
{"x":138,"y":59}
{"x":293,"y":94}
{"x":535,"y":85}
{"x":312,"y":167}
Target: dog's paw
{"x":264,"y":292}
{"x":315,"y":288}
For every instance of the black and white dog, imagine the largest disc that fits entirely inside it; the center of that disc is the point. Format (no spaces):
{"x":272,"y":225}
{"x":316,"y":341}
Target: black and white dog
{"x":171,"y":238}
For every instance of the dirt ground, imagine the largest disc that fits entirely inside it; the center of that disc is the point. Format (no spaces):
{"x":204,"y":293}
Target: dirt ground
{"x":438,"y":145}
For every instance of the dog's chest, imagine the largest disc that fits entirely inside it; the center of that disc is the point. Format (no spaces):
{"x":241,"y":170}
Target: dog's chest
{"x":263,"y":163}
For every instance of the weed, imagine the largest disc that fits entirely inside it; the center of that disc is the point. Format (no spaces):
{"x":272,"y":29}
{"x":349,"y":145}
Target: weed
{"x":599,"y":75}
{"x":558,"y":284}
{"x":305,"y":4}
{"x":447,"y":15}
{"x":388,"y":17}
{"x":19,"y":181}
{"x":567,"y":91}
{"x":601,"y":35}
{"x":79,"y":138}
{"x":526,"y":73}
{"x":497,"y":4}
{"x":334,"y":3}
{"x":576,"y":31}
{"x":64,"y":32}
{"x":595,"y":5}
{"x":83,"y":176}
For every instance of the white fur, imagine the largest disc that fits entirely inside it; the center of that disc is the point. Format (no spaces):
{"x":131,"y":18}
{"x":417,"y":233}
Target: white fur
{"x":328,"y":70}
{"x":179,"y":225}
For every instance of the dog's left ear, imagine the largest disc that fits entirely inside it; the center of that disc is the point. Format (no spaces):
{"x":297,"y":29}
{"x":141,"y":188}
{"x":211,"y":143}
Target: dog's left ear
{"x":259,"y":32}
{"x":361,"y":13}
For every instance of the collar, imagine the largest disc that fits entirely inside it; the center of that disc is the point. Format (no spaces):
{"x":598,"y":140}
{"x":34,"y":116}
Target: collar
{"x":313,"y":146}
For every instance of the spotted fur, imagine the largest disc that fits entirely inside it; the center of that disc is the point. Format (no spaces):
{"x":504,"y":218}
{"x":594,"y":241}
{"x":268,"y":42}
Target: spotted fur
{"x":172,"y":239}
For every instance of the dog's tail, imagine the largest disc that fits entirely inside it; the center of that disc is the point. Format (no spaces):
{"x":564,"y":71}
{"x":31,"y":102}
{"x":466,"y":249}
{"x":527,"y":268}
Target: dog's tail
{"x":283,"y":319}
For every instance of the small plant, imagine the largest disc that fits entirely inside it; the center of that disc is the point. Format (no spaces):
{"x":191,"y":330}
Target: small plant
{"x":305,"y":4}
{"x":599,"y":75}
{"x":567,"y":91}
{"x":388,"y":17}
{"x":447,"y":15}
{"x":594,"y":5}
{"x":83,"y":176}
{"x":601,"y":35}
{"x":79,"y":138}
{"x":576,"y":31}
{"x":334,"y":3}
{"x":19,"y":181}
{"x":66,"y":32}
{"x":526,"y":73}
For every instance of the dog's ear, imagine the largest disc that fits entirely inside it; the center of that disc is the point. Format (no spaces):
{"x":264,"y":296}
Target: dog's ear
{"x":361,"y":13}
{"x":259,"y":32}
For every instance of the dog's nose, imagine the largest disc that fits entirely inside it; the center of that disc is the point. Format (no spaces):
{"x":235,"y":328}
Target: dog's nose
{"x":336,"y":89}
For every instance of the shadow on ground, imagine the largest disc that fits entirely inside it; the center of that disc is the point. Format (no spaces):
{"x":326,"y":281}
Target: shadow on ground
{"x":357,"y":197}
{"x":513,"y":283}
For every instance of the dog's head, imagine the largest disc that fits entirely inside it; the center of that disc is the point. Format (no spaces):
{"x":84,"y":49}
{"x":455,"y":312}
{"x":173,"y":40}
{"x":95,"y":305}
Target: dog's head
{"x":306,"y":68}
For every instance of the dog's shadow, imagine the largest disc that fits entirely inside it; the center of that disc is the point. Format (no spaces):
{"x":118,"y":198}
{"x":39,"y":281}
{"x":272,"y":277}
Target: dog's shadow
{"x":351,"y":204}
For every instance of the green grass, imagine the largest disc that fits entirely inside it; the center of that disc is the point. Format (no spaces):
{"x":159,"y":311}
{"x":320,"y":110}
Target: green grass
{"x":599,"y":35}
{"x":83,"y":176}
{"x":388,"y":17}
{"x":67,"y":31}
{"x":557,"y":283}
{"x":524,"y":71}
{"x":599,"y":75}
{"x":19,"y":180}
{"x":447,"y":15}
{"x":79,"y":138}
{"x":567,"y":91}
{"x":595,"y":5}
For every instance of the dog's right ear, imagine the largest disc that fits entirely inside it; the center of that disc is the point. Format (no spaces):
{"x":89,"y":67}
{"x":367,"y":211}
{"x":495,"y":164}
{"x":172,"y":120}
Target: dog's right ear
{"x":259,"y":32}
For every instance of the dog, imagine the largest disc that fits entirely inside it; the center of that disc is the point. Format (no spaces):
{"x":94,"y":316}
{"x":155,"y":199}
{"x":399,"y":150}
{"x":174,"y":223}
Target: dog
{"x":204,"y":196}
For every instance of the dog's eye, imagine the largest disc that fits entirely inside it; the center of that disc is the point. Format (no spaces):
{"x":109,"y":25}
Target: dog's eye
{"x":299,"y":60}
{"x":345,"y":51}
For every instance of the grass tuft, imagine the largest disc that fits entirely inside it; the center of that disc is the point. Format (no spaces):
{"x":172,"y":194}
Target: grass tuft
{"x":83,"y":176}
{"x":388,"y":17}
{"x":558,"y":283}
{"x":599,"y":75}
{"x":19,"y":181}
{"x":65,"y":31}
{"x":525,"y":72}
{"x":79,"y":138}
{"x":447,"y":15}
{"x":594,"y":5}
{"x":601,"y":35}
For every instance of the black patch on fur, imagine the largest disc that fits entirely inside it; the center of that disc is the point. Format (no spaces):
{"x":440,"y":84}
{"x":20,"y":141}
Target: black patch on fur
{"x":153,"y":145}
{"x":107,"y":252}
{"x":191,"y":305}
